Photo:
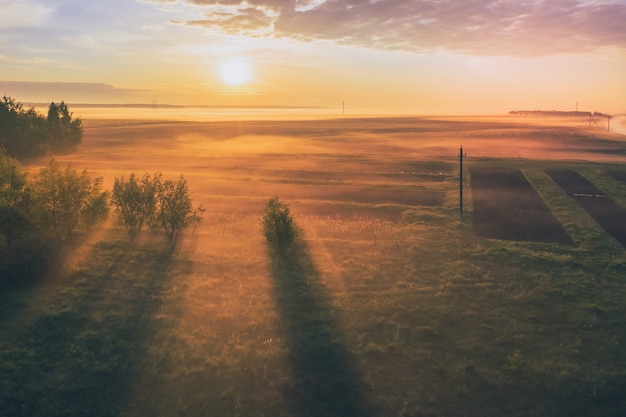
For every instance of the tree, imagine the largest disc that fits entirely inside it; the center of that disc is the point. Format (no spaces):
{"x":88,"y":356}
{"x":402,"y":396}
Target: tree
{"x":63,"y":196}
{"x":27,"y":133}
{"x":134,"y":202}
{"x":96,"y":206}
{"x":12,"y":181}
{"x":278,"y":225}
{"x":64,"y":133}
{"x":174,"y":211}
{"x":22,"y":133}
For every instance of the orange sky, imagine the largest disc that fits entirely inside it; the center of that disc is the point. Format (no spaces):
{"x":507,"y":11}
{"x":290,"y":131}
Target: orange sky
{"x":444,"y":56}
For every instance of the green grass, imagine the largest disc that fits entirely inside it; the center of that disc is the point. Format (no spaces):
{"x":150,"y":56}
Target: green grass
{"x":72,"y":346}
{"x":367,"y":317}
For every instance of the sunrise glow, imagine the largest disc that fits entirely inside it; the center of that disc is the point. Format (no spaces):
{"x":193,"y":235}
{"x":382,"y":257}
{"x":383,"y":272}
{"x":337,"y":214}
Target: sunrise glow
{"x":234,"y":72}
{"x":416,"y":57}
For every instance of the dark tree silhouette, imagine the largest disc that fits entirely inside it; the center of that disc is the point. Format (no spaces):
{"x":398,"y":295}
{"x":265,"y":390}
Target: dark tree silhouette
{"x":27,"y":133}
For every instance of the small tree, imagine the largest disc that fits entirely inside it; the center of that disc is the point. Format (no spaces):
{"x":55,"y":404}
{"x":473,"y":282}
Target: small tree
{"x":12,"y":181}
{"x":278,"y":225}
{"x":174,"y":211}
{"x":134,"y":202}
{"x":96,"y":207}
{"x":62,"y":195}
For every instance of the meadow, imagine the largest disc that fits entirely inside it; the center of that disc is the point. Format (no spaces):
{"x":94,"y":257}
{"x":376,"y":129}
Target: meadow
{"x":390,"y":305}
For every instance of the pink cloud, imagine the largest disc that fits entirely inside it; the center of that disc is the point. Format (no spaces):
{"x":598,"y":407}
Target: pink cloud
{"x":492,"y":27}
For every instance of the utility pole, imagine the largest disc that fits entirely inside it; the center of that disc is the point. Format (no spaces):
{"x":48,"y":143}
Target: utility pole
{"x":461,"y":156}
{"x":608,"y":123}
{"x":343,"y":107}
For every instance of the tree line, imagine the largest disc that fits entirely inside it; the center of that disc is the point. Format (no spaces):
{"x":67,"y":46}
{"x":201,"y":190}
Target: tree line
{"x":42,"y":214}
{"x":26,"y":133}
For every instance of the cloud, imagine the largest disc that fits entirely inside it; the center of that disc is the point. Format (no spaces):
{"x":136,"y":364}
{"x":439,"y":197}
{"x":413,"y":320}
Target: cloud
{"x":15,"y":14}
{"x":32,"y":91}
{"x":486,"y":27}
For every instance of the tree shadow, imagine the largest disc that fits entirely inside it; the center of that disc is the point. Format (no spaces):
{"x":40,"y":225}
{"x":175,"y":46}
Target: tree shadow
{"x":325,"y":381}
{"x":81,"y":353}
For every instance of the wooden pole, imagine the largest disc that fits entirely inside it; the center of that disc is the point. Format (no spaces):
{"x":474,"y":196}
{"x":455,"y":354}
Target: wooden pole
{"x":461,"y":156}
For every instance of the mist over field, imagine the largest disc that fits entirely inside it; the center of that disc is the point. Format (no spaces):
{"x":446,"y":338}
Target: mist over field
{"x":315,"y":208}
{"x":387,"y":304}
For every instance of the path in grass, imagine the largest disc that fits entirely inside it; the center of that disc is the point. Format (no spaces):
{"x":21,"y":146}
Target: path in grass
{"x":602,"y":208}
{"x":507,"y":207}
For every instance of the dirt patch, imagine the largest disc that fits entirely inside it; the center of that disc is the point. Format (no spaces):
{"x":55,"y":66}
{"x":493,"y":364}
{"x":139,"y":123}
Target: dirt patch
{"x":507,"y":207}
{"x":606,"y":212}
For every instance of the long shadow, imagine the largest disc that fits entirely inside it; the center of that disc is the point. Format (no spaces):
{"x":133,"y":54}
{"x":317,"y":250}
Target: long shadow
{"x":80,"y":355}
{"x":325,"y":380}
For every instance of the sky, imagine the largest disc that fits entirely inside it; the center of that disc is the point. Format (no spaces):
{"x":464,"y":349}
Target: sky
{"x":421,"y":56}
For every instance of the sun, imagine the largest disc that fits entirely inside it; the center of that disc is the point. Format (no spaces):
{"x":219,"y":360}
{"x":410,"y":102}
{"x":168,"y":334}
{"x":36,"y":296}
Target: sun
{"x":235,"y":71}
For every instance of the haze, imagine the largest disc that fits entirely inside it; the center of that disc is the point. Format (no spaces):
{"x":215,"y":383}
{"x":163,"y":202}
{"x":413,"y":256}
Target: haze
{"x":391,"y":55}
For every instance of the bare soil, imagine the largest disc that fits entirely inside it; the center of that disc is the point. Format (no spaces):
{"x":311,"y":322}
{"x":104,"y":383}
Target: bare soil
{"x":604,"y":210}
{"x":507,"y":207}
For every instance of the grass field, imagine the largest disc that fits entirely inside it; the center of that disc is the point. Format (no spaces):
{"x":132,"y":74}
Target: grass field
{"x":389,"y":307}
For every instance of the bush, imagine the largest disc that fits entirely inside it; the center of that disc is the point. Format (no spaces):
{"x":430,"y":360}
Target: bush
{"x":14,"y":223}
{"x":29,"y":258}
{"x":278,"y":225}
{"x":64,"y":198}
{"x":174,"y":211}
{"x":135,"y":202}
{"x":12,"y":180}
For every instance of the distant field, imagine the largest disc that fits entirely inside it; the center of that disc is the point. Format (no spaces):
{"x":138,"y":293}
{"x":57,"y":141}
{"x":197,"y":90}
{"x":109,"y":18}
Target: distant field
{"x":389,"y":307}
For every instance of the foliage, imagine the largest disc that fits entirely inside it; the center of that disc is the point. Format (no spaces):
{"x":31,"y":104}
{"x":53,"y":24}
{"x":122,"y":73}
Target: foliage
{"x":515,"y":361}
{"x":63,"y":132}
{"x":12,"y":181}
{"x":34,"y":215}
{"x":13,"y":224}
{"x":29,"y":257}
{"x":174,"y":211}
{"x":135,"y":203}
{"x":278,"y":225}
{"x":27,"y":133}
{"x":96,"y":205}
{"x":63,"y":197}
{"x":21,"y":132}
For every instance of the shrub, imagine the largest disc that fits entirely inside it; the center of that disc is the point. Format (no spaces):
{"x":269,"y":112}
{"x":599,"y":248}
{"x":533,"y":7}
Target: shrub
{"x":14,"y":223}
{"x":135,"y":202}
{"x":174,"y":211}
{"x":65,"y":197}
{"x":96,"y":207}
{"x":12,"y":180}
{"x":29,"y":258}
{"x":278,"y":225}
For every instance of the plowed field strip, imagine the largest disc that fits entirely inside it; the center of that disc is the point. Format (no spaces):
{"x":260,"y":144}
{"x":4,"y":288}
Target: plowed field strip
{"x":618,"y":175}
{"x":507,"y":207}
{"x":606,"y":212}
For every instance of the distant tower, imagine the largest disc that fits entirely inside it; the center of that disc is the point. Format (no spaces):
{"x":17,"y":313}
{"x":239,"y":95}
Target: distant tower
{"x":576,"y":106}
{"x":343,"y":107}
